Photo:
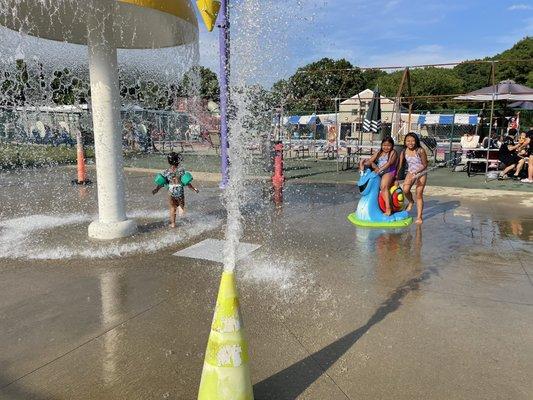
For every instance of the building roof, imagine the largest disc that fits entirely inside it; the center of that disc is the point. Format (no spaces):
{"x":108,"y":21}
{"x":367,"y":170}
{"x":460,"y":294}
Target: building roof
{"x":365,"y":95}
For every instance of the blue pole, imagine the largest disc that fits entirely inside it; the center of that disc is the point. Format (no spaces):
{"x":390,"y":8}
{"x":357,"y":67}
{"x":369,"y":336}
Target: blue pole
{"x":224,"y":48}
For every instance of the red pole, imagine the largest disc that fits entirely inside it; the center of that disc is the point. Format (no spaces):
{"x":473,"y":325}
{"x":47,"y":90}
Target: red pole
{"x":82,"y":174}
{"x":80,"y":155}
{"x":278,"y":178}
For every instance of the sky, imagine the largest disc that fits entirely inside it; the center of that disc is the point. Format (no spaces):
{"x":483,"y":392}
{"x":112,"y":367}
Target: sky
{"x":371,"y":33}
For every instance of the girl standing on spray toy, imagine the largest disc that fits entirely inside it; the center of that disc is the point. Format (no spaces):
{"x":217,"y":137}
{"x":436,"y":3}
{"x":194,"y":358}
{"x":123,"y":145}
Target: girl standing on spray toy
{"x":174,"y":179}
{"x":417,"y":163}
{"x":384,"y":164}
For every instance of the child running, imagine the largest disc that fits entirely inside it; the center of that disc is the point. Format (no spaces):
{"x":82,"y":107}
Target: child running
{"x":417,"y":163}
{"x":176,"y":190}
{"x":384,"y":163}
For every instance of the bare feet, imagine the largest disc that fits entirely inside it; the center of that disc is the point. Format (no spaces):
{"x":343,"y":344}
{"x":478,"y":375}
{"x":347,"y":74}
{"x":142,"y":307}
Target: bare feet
{"x":419,"y":221}
{"x":409,"y":207}
{"x":388,"y":212}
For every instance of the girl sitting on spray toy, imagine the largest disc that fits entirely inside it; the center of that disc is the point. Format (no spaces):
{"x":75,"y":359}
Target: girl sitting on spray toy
{"x":384,"y":163}
{"x":174,"y":179}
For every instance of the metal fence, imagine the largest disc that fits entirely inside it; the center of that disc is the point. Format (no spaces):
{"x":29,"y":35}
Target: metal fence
{"x":58,"y":125}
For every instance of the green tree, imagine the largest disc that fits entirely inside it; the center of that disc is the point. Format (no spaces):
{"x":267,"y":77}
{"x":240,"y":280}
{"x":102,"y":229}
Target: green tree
{"x":313,"y":87}
{"x":474,"y":76}
{"x":429,"y":81}
{"x":209,"y":86}
{"x":518,"y":71}
{"x":67,"y":88}
{"x":478,"y":75}
{"x":202,"y":81}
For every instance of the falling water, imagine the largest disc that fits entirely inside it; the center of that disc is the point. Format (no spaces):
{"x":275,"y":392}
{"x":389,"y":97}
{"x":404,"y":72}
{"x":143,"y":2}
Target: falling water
{"x":37,"y":75}
{"x":260,"y":33}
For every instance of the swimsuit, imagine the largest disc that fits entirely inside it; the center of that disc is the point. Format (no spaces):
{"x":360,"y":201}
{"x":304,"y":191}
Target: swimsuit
{"x":384,"y":159}
{"x":414,"y":163}
{"x":175,"y":189}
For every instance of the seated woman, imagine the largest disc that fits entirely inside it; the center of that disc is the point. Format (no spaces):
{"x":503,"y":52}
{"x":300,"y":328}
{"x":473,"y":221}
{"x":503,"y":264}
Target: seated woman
{"x":528,"y":146}
{"x":491,"y":142}
{"x":510,"y":159}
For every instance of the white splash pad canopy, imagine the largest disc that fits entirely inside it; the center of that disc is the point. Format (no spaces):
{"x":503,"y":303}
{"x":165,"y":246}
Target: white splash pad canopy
{"x":104,"y":26}
{"x":138,"y":24}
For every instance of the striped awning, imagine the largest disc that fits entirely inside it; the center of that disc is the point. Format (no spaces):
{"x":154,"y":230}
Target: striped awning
{"x":302,"y":120}
{"x":448,"y":119}
{"x":294,"y":120}
{"x":309,"y":120}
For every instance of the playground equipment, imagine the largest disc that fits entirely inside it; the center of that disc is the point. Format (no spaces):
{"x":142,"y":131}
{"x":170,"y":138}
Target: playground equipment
{"x":104,"y":26}
{"x":368,"y":213}
{"x":80,"y":157}
{"x":209,"y":11}
{"x":278,"y":178}
{"x":397,"y":199}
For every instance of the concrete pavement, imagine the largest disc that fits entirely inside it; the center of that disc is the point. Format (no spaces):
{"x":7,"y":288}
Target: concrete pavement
{"x":442,"y":311}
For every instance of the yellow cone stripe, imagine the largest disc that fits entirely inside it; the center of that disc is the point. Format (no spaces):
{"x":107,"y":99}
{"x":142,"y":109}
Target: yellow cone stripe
{"x":178,"y":8}
{"x":225,"y":384}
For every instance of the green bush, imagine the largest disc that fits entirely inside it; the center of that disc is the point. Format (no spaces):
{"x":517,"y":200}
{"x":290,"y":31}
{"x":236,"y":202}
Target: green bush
{"x":28,"y":155}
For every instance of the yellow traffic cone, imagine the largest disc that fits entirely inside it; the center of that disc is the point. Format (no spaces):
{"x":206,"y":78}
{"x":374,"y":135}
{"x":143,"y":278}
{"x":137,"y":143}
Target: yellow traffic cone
{"x":209,"y":12}
{"x":226,"y":375}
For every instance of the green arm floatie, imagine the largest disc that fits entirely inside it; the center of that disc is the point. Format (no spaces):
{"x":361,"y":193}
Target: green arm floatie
{"x":160,"y":180}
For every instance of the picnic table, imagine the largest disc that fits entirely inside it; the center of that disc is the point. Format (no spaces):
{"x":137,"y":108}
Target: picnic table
{"x":357,"y":152}
{"x":479,"y":156}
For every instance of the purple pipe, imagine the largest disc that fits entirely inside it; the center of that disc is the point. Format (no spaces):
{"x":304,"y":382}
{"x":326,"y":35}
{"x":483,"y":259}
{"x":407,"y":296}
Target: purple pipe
{"x":224,"y":44}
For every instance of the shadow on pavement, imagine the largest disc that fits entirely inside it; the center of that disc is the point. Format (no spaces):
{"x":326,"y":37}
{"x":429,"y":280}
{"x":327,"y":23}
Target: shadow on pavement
{"x":12,"y":390}
{"x":435,"y":207}
{"x":289,"y":383}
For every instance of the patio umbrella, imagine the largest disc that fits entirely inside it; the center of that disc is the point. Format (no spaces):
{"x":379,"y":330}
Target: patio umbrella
{"x":521,"y":105}
{"x":372,"y":122}
{"x":505,"y":90}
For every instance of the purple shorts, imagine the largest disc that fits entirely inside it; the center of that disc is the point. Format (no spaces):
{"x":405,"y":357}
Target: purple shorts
{"x":391,"y":170}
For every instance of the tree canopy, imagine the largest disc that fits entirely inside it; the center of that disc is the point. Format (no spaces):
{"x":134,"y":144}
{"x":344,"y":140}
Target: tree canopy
{"x":313,"y":87}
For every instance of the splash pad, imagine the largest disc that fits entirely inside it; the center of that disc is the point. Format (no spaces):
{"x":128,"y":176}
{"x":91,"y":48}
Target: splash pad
{"x":103,"y":26}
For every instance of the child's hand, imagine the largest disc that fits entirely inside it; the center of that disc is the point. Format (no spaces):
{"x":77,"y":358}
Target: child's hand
{"x":397,"y":183}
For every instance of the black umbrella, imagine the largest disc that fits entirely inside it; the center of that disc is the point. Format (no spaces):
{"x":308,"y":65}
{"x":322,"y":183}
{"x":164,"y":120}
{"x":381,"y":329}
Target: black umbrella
{"x":372,"y":122}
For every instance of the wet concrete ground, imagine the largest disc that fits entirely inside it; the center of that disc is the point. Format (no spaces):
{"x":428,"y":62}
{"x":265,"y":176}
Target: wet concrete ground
{"x":442,"y":311}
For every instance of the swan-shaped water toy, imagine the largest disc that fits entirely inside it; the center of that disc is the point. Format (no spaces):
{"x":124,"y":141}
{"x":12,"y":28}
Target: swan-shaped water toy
{"x":368,"y":213}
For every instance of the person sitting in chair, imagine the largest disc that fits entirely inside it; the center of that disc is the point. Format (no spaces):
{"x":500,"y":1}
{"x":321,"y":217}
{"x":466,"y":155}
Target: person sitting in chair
{"x":528,"y":145}
{"x":509,"y":158}
{"x":491,"y":142}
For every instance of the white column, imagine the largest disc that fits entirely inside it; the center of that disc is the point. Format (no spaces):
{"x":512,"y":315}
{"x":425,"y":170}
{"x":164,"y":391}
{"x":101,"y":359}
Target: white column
{"x":103,"y":67}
